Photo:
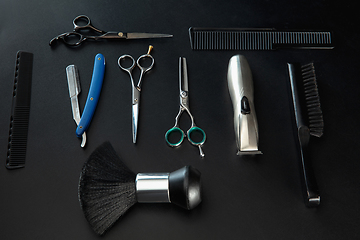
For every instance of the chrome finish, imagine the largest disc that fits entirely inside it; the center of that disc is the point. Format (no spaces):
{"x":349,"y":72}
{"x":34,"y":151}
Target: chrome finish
{"x":241,"y":85}
{"x":74,"y":90}
{"x":152,"y":187}
{"x":136,"y":88}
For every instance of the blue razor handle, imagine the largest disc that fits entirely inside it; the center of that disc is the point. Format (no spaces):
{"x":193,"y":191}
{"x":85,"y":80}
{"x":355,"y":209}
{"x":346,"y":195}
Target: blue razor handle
{"x":93,"y":95}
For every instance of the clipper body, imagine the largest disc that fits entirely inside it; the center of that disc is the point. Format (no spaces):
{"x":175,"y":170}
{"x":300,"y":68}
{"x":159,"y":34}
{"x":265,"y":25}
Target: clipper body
{"x":242,"y":95}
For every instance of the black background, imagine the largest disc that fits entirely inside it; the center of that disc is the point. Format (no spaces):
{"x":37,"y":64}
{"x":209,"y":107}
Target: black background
{"x":243,"y":198}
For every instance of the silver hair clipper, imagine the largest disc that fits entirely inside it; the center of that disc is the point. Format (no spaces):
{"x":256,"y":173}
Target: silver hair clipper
{"x":241,"y":90}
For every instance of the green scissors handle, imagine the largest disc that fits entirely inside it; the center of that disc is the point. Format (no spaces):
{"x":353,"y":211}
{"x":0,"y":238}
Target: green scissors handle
{"x":193,"y":130}
{"x":195,"y":135}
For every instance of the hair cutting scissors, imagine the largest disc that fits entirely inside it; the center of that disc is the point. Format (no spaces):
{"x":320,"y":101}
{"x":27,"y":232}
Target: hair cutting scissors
{"x":136,"y":89}
{"x":184,"y":106}
{"x":82,"y":24}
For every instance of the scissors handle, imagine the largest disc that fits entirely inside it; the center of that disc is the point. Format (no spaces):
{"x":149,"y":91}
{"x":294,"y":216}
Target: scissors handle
{"x":173,"y":141}
{"x":83,"y":22}
{"x":169,"y":136}
{"x":71,"y":39}
{"x":142,"y":68}
{"x":122,"y":58}
{"x":194,"y":140}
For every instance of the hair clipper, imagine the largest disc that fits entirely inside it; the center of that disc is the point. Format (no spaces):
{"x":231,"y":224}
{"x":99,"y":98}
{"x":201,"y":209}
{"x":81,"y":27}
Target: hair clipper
{"x":241,"y":90}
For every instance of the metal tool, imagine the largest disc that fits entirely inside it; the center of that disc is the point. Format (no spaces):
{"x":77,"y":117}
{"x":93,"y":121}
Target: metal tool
{"x":82,"y":24}
{"x":242,"y":95}
{"x":258,"y":39}
{"x":184,"y":106}
{"x":74,"y":90}
{"x":136,"y":89}
{"x":92,"y":98}
{"x":93,"y":95}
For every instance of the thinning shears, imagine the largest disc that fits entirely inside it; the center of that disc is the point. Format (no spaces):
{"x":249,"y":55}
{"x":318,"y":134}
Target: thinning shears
{"x":82,"y":24}
{"x":195,"y":135}
{"x":136,"y":89}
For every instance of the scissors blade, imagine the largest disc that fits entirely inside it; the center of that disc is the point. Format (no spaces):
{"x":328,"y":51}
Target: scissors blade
{"x":135,"y":120}
{"x":74,"y":90}
{"x":183,"y":76}
{"x":135,"y":111}
{"x":146,"y":35}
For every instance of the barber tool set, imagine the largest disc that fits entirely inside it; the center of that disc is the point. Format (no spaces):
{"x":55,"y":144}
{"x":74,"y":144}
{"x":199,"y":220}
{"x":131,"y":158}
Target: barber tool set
{"x":107,"y":187}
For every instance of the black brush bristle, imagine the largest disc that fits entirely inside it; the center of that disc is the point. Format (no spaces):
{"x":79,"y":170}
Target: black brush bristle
{"x":106,"y":188}
{"x":312,"y":99}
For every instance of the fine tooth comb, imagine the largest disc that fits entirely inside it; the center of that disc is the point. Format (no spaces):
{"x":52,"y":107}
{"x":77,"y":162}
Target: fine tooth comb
{"x":20,"y":111}
{"x":257,"y":39}
{"x":309,"y":122}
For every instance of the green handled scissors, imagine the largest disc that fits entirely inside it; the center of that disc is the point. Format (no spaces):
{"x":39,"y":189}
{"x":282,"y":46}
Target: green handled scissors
{"x":184,"y":106}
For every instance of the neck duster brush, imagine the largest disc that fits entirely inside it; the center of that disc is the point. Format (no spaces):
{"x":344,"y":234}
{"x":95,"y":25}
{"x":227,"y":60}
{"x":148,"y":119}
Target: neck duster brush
{"x":108,"y":188}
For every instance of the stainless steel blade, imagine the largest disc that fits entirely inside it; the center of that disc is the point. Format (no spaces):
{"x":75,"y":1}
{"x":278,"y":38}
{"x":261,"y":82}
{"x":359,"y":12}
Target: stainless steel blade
{"x":183,"y":76}
{"x":135,"y":120}
{"x":135,"y":111}
{"x":146,"y":35}
{"x":74,"y":90}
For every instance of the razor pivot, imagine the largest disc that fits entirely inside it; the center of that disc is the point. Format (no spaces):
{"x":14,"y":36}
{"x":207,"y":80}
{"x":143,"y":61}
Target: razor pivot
{"x":242,"y":95}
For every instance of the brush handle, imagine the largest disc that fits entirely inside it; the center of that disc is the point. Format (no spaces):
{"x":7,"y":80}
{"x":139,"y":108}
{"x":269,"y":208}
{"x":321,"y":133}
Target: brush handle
{"x":152,"y":187}
{"x":181,"y":187}
{"x":309,"y":184}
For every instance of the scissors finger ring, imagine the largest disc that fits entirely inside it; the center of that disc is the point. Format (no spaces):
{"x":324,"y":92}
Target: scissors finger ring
{"x":142,"y":58}
{"x":123,"y":57}
{"x":81,"y":18}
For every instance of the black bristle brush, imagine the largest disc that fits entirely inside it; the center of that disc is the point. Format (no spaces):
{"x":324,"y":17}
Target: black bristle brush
{"x":309,"y":122}
{"x":108,"y":188}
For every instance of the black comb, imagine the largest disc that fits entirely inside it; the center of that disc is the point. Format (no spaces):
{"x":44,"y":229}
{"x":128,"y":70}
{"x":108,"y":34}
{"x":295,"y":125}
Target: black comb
{"x":257,"y":39}
{"x":20,"y":111}
{"x":309,"y":122}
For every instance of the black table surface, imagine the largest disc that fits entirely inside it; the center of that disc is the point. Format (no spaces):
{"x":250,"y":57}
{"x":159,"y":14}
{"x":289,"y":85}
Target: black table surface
{"x":243,"y":198}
